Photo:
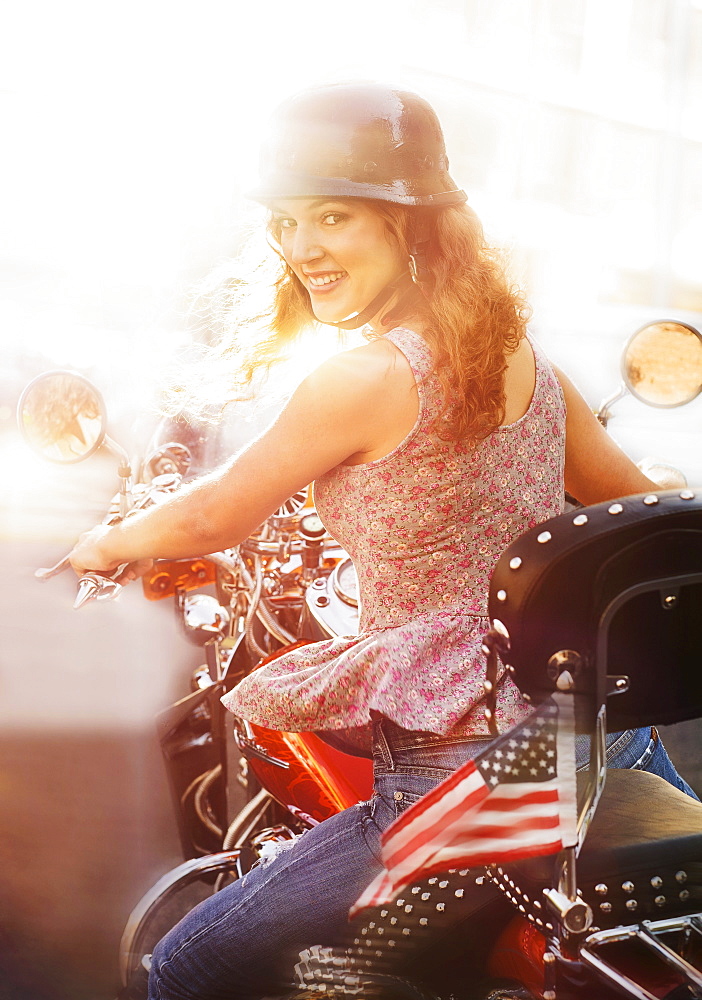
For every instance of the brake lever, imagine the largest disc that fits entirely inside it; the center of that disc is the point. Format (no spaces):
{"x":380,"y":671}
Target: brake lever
{"x":46,"y":574}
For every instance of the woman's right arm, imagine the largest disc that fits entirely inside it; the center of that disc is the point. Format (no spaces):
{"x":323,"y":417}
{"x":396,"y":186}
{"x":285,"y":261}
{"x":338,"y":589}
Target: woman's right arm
{"x":337,"y":411}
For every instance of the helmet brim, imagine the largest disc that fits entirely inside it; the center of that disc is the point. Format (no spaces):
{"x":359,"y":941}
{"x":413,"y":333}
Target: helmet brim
{"x":289,"y":185}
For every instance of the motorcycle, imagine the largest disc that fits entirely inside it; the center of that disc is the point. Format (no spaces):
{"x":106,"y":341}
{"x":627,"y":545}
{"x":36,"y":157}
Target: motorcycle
{"x":287,"y":584}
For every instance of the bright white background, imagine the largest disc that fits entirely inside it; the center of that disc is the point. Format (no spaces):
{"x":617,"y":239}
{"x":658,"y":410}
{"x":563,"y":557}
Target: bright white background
{"x":130,"y":134}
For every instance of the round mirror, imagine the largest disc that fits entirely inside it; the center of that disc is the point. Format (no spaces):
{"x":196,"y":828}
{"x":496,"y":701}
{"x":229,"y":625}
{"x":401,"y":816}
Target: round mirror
{"x":62,"y":416}
{"x":662,"y":363}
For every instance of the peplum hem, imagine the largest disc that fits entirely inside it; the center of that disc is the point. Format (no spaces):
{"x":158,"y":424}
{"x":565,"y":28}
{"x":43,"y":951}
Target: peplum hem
{"x":342,"y":683}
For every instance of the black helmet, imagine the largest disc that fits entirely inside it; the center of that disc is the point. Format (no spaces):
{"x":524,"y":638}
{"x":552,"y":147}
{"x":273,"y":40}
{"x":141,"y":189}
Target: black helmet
{"x":361,"y":140}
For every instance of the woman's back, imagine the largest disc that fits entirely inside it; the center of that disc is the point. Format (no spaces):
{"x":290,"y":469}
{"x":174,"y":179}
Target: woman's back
{"x":425,"y":523}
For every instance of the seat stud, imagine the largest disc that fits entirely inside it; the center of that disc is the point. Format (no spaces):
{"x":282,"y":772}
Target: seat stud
{"x":423,"y":921}
{"x":480,"y":880}
{"x":426,"y":896}
{"x":442,"y":885}
{"x":515,"y":563}
{"x":631,"y":904}
{"x":580,"y":519}
{"x":441,"y":907}
{"x":659,"y":900}
{"x":406,"y":931}
{"x":685,"y":894}
{"x":681,"y":877}
{"x":651,"y":499}
{"x":601,"y":889}
{"x":656,"y":882}
{"x":687,"y":495}
{"x":501,"y":595}
{"x":459,"y":893}
{"x":628,"y":886}
{"x":409,"y":908}
{"x":615,"y":508}
{"x":544,"y":537}
{"x":606,"y":907}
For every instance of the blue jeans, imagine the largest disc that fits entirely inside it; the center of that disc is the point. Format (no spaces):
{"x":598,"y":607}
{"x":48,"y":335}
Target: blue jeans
{"x":243,"y":942}
{"x":638,"y":749}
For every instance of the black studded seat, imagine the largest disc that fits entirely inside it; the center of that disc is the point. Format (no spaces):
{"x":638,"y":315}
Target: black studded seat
{"x":641,"y":860}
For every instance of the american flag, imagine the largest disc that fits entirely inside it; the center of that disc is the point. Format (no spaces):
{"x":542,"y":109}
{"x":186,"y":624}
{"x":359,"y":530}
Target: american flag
{"x":515,"y":800}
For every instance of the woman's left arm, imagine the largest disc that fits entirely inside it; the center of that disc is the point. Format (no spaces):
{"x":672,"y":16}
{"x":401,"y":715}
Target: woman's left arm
{"x":333,"y":414}
{"x":596,"y":468}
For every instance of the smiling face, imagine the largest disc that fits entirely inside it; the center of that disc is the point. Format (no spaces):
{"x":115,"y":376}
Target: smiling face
{"x":340,"y":250}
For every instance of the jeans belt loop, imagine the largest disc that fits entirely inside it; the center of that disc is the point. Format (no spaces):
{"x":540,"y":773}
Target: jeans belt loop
{"x":382,"y":745}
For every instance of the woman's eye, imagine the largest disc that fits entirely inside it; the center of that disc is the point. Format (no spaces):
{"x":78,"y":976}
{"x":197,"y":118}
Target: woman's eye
{"x":286,"y":223}
{"x":333,"y":218}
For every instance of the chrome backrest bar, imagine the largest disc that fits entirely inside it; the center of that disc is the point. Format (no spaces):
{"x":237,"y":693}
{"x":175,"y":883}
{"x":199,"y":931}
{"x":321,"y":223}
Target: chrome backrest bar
{"x":647,"y":933}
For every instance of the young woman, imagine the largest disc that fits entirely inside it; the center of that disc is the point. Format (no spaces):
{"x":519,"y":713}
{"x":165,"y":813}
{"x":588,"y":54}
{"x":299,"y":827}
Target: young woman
{"x":431,"y":447}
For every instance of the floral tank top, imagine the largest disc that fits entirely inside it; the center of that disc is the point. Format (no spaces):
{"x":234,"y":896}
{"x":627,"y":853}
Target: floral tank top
{"x":424,"y":526}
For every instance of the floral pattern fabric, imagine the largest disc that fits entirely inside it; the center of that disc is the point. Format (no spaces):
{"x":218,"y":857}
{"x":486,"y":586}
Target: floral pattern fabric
{"x":424,"y":526}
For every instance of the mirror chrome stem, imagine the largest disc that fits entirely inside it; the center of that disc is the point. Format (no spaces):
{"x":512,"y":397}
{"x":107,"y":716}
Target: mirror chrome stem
{"x":605,"y":410}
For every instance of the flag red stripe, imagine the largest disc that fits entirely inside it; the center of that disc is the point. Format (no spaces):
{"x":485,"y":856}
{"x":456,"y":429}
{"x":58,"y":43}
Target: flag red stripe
{"x":543,"y":795}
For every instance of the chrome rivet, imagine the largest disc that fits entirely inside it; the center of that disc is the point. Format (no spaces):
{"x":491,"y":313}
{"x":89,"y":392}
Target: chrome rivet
{"x":441,"y":907}
{"x":372,"y":924}
{"x":681,"y":877}
{"x":405,"y":931}
{"x":537,"y":904}
{"x":480,"y":880}
{"x":616,"y":508}
{"x":409,"y":908}
{"x":601,"y":889}
{"x":651,"y":499}
{"x":606,"y":907}
{"x":580,"y":519}
{"x":393,"y":920}
{"x":442,"y":885}
{"x":687,"y":495}
{"x":383,"y":913}
{"x":487,"y":686}
{"x":631,"y":904}
{"x":391,"y":944}
{"x":685,"y":894}
{"x":549,"y":926}
{"x":670,"y":600}
{"x":522,"y":909}
{"x":656,"y":882}
{"x":416,"y":889}
{"x":628,"y":886}
{"x":432,"y":881}
{"x":423,"y":921}
{"x":400,"y":902}
{"x":500,"y":627}
{"x":621,"y":684}
{"x":501,"y":595}
{"x":459,"y":893}
{"x":549,"y":958}
{"x":397,"y":796}
{"x":381,"y":930}
{"x":659,"y":900}
{"x":515,"y":563}
{"x":426,"y":896}
{"x":544,"y":537}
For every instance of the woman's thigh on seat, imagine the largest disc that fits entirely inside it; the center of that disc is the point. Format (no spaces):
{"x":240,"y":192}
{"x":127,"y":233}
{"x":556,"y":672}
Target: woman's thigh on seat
{"x":244,"y":940}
